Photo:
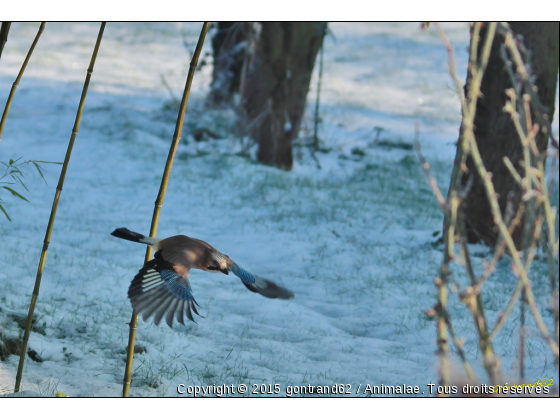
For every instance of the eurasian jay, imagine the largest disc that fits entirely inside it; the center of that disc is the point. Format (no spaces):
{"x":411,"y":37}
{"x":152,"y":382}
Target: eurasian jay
{"x":162,"y":286}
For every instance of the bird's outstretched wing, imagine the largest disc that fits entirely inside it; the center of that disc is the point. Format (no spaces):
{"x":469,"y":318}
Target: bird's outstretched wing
{"x":158,"y":290}
{"x":256,"y":284}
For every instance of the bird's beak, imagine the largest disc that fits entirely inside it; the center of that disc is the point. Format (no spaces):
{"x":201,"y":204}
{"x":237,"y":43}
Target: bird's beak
{"x":224,"y":270}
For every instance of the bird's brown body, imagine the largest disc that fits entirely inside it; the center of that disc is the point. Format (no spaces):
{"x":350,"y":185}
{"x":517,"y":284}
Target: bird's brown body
{"x":186,"y":253}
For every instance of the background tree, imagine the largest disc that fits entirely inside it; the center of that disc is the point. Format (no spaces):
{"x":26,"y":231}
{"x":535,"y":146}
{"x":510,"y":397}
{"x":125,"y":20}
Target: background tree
{"x":228,"y":49}
{"x":4,"y":29}
{"x":275,"y":85}
{"x":495,"y":133}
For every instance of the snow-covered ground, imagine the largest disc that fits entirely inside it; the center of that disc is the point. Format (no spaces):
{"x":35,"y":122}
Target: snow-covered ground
{"x":353,"y":239}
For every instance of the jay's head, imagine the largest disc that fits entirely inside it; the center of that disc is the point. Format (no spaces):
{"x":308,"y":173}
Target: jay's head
{"x":217,"y":262}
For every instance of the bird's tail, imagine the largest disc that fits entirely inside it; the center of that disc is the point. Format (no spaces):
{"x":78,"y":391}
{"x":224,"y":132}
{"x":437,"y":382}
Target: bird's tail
{"x":124,"y":233}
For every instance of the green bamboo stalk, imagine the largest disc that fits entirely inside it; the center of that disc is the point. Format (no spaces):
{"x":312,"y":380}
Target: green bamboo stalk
{"x":161,"y":195}
{"x":4,"y":35}
{"x":18,"y":78}
{"x":53,"y":211}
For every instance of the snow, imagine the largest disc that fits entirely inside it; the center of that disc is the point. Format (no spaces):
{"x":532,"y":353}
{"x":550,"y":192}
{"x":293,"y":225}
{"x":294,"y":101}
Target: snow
{"x":353,"y":239}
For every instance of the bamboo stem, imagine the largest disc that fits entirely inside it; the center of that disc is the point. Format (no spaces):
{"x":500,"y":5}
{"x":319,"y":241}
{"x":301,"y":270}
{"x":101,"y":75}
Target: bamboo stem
{"x":18,"y":78}
{"x":160,"y":197}
{"x":53,"y":211}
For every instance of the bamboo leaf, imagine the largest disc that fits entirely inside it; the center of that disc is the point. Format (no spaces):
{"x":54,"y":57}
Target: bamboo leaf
{"x":20,"y":181}
{"x":5,"y":213}
{"x":16,"y":193}
{"x":39,"y":170}
{"x":46,"y":161}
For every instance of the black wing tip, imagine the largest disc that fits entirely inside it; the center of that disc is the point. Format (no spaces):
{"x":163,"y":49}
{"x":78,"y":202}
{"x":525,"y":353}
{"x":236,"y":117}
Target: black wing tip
{"x":271,"y":290}
{"x":288,"y":295}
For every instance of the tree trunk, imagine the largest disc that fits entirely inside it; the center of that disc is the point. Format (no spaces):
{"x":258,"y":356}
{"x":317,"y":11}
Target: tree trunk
{"x":4,"y":35}
{"x":494,"y":131}
{"x":228,"y":49}
{"x":275,"y":86}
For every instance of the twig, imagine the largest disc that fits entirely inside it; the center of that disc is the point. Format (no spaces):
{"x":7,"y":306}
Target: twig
{"x":468,"y":106}
{"x":474,"y":304}
{"x":502,"y":318}
{"x":527,"y":81}
{"x":169,"y":90}
{"x":440,"y":309}
{"x":519,"y":268}
{"x":426,"y":166}
{"x":524,"y":80}
{"x":459,"y":346}
{"x":522,"y":339}
{"x":499,"y":251}
{"x":552,"y":173}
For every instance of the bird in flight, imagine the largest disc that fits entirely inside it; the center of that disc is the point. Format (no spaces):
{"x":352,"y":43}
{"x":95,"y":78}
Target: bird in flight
{"x":162,"y":288}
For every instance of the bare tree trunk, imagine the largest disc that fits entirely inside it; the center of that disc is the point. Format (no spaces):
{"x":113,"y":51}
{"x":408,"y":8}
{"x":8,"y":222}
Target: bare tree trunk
{"x":275,"y":86}
{"x":4,"y":35}
{"x":228,"y":49}
{"x":495,"y":133}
